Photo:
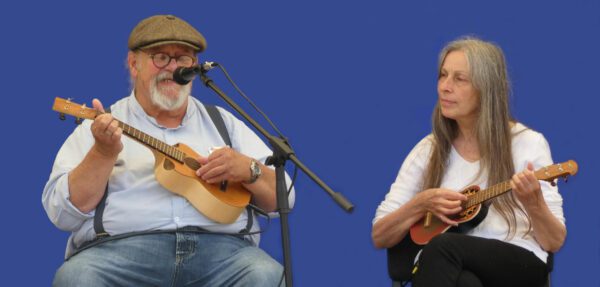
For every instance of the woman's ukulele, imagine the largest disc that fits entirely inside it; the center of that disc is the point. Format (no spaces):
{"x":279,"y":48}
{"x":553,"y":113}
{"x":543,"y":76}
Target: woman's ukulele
{"x":430,"y":226}
{"x":403,"y":255}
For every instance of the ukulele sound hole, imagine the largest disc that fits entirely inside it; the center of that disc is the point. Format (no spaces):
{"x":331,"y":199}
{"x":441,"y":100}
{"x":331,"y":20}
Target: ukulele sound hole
{"x":168,"y":165}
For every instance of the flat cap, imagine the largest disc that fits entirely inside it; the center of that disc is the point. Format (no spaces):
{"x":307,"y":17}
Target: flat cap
{"x":165,"y":29}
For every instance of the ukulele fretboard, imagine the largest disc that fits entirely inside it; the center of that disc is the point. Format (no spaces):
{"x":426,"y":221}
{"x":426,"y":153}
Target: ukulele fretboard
{"x":152,"y":142}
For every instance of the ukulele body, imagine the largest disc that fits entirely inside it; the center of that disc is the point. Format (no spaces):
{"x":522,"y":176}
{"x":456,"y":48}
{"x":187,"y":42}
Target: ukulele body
{"x":222,"y":203}
{"x":422,"y":234}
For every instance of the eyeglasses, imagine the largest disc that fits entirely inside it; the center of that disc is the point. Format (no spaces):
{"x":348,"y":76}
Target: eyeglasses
{"x":162,"y":60}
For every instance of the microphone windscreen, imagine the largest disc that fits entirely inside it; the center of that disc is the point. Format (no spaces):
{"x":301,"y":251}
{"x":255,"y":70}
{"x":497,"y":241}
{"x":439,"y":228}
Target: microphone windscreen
{"x":183,"y":75}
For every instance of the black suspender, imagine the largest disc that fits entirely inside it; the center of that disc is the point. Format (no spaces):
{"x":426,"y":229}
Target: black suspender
{"x":217,"y":120}
{"x":98,"y":225}
{"x":219,"y":123}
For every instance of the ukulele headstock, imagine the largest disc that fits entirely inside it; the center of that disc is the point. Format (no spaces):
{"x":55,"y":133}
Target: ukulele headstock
{"x":560,"y":170}
{"x":79,"y":111}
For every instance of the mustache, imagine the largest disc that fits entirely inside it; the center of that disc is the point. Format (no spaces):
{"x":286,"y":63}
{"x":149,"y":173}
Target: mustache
{"x":164,"y":75}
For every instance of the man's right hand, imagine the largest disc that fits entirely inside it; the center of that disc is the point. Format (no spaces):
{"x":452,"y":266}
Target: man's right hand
{"x":107,"y":133}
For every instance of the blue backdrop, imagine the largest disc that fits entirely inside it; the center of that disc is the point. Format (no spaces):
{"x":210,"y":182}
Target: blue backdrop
{"x":351,"y":83}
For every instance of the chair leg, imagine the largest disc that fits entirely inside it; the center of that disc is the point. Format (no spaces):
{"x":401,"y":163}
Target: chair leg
{"x":547,"y":284}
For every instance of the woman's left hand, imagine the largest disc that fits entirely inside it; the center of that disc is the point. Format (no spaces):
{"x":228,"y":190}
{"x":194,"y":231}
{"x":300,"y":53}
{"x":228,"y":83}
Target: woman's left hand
{"x":526,"y":188}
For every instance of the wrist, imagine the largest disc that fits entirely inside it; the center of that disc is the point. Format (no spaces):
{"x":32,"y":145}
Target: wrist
{"x":255,"y":172}
{"x":419,"y":204}
{"x":538,"y":206}
{"x":103,"y":153}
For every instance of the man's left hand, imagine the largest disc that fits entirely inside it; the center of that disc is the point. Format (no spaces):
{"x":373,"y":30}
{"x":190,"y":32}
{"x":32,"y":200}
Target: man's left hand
{"x":224,"y":164}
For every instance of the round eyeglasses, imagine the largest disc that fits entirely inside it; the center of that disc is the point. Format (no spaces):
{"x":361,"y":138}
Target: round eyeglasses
{"x":162,"y":60}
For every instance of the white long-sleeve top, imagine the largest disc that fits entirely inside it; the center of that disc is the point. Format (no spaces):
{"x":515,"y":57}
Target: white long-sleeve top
{"x":527,"y":146}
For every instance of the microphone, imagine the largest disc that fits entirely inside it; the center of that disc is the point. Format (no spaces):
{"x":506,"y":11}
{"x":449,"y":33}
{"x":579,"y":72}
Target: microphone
{"x":183,"y":75}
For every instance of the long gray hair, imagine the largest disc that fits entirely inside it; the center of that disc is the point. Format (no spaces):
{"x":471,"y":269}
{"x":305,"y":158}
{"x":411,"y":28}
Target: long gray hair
{"x":492,"y":128}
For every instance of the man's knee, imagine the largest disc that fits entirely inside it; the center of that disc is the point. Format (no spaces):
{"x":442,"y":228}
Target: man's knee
{"x":264,"y":273}
{"x":73,"y":274}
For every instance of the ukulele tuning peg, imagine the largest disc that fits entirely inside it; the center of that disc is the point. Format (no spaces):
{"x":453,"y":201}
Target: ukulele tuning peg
{"x":565,"y":179}
{"x":553,"y":183}
{"x":78,"y":121}
{"x":61,"y":116}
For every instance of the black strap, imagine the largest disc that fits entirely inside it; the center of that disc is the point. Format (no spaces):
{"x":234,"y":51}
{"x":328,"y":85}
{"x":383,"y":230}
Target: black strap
{"x":217,"y":120}
{"x":107,"y":238}
{"x":98,"y":225}
{"x":219,"y":123}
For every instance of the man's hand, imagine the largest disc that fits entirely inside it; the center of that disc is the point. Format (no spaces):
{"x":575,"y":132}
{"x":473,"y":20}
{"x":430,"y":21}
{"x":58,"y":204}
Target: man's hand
{"x":107,"y":133}
{"x":224,"y":164}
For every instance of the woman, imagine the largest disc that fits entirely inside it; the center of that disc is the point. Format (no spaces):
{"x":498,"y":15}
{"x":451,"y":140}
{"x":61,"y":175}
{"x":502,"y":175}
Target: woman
{"x":475,"y":141}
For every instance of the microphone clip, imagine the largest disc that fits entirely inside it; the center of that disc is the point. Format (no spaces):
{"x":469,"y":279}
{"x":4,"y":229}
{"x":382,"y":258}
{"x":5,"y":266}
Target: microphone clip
{"x":183,"y":75}
{"x":207,"y":66}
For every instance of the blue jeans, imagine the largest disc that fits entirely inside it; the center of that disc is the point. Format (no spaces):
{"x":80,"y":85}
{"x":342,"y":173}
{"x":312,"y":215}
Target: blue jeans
{"x":171,"y":259}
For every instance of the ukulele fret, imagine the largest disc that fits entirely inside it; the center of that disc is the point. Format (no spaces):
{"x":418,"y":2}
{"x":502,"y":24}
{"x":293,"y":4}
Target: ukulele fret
{"x":421,"y":234}
{"x":485,"y":194}
{"x":152,"y":142}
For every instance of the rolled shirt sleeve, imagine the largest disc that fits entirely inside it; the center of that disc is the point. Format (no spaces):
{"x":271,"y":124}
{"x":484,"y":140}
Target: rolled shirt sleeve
{"x":56,"y":196}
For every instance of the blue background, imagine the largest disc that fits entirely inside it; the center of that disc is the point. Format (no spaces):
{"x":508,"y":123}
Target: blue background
{"x":351,"y":83}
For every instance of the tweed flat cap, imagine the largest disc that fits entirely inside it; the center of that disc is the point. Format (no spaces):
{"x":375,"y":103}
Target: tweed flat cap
{"x":165,"y":29}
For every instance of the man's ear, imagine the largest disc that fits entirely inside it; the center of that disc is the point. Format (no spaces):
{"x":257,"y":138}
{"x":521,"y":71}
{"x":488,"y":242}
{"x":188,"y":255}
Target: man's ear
{"x":132,"y":64}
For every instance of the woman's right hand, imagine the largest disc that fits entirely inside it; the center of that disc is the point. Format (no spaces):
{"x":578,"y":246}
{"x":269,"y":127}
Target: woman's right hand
{"x":441,"y":202}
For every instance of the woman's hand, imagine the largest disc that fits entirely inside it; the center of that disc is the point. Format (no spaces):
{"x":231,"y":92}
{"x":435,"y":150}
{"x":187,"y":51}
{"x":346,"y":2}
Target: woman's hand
{"x":526,"y":187}
{"x":442,"y":203}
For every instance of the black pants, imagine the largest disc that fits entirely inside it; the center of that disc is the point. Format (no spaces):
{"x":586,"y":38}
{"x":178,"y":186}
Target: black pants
{"x":457,"y":260}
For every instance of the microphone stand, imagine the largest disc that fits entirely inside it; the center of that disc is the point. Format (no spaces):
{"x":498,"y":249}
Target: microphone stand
{"x":281,"y":153}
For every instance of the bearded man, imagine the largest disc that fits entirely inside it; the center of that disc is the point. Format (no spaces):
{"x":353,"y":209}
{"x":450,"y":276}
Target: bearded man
{"x":126,"y":228}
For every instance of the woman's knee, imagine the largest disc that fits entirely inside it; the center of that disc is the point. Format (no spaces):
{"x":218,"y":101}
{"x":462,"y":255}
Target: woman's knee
{"x":443,"y":242}
{"x":467,"y":278}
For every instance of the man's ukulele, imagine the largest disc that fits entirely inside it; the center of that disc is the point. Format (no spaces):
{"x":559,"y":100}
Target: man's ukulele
{"x":175,"y":169}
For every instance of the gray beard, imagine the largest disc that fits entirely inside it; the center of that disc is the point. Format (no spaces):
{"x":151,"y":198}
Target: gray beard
{"x":162,"y":101}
